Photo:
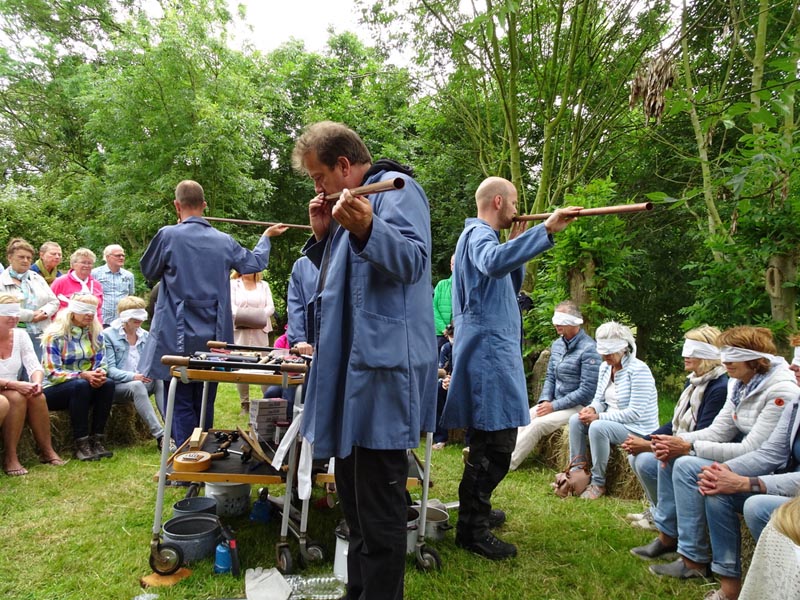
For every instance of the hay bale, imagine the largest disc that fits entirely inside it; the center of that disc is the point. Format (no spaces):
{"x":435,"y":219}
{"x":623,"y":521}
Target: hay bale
{"x":621,"y":481}
{"x":124,"y":428}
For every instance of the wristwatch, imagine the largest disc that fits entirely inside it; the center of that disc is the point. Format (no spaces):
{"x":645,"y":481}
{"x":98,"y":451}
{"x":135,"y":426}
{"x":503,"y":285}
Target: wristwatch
{"x":755,"y":485}
{"x":691,"y":449}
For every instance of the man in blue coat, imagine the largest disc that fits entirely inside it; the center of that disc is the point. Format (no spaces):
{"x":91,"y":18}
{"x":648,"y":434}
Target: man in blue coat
{"x":193,"y":261}
{"x":372,"y":385}
{"x":487,"y":391}
{"x":302,"y":285}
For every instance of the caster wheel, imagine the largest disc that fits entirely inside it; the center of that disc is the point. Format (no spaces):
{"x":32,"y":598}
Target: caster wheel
{"x":285,"y":562}
{"x":314,"y":553}
{"x":428,"y":559}
{"x":167,"y":560}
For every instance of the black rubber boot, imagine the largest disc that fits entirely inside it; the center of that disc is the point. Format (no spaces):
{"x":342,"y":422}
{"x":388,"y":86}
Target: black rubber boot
{"x":99,"y":449}
{"x":84,"y":450}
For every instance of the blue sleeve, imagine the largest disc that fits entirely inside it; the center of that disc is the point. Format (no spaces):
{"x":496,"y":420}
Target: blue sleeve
{"x":114,"y":373}
{"x":296,"y":309}
{"x":153,"y":261}
{"x":245,"y":261}
{"x":497,"y":260}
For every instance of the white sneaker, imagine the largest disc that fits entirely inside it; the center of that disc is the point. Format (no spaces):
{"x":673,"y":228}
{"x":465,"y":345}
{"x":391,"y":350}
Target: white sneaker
{"x":644,"y":524}
{"x":647,"y":514}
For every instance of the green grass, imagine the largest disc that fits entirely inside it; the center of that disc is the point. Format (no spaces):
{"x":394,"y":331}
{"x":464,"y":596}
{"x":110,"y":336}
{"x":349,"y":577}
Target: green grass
{"x":83,"y":531}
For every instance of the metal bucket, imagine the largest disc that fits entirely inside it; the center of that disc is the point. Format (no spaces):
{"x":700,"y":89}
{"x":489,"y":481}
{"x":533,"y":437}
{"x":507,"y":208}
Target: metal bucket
{"x":411,"y":530}
{"x":195,"y":534}
{"x":436,"y":523}
{"x":194,"y":505}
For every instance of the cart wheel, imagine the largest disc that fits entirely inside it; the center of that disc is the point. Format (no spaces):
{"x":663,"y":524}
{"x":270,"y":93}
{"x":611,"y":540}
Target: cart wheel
{"x":428,"y":559}
{"x":167,"y":560}
{"x":314,"y":553}
{"x":285,"y":562}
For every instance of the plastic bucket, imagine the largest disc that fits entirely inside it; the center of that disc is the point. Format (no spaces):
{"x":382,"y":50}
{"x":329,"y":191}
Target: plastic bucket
{"x":195,"y":505}
{"x":340,"y":558}
{"x":233,"y":499}
{"x":196,"y":535}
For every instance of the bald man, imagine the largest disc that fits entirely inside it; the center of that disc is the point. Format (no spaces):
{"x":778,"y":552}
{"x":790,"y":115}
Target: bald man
{"x":488,"y":392}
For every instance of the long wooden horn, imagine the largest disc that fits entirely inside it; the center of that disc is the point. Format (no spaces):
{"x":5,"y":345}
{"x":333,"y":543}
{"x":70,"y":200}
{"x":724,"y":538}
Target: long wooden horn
{"x":591,"y":212}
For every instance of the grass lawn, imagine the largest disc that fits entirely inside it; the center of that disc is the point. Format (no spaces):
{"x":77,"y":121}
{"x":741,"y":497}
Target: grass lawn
{"x":82,"y":531}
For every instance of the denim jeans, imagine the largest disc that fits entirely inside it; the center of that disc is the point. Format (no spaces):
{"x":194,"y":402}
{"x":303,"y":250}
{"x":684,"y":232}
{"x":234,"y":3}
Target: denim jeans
{"x":646,"y":466}
{"x":601,"y":435}
{"x":693,"y":542}
{"x":758,"y":509}
{"x":139,"y":393}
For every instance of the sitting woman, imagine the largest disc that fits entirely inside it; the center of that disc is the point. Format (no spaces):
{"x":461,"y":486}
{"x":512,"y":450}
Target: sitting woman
{"x":701,"y":400}
{"x":252,"y":307}
{"x":124,"y":342}
{"x":760,"y":386}
{"x":21,"y":398}
{"x":625,"y":403}
{"x":76,"y":374}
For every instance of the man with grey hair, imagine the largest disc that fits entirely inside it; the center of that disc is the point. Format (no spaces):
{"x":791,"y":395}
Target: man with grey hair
{"x":569,"y":384}
{"x":116,"y":281}
{"x":488,"y":392}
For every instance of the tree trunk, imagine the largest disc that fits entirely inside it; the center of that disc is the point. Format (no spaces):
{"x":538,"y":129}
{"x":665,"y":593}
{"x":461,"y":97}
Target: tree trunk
{"x":782,"y":270}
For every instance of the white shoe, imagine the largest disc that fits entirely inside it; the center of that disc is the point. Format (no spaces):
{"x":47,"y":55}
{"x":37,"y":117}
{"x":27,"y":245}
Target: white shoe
{"x":644,"y":524}
{"x":647,"y":514}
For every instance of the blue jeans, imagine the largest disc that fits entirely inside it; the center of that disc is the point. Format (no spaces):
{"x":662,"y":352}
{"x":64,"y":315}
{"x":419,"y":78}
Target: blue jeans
{"x":79,"y":398}
{"x":646,"y":466}
{"x":724,"y":527}
{"x":602,"y":434}
{"x":693,"y":542}
{"x":758,"y":509}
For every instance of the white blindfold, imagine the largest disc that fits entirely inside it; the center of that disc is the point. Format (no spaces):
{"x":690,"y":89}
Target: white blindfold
{"x":702,"y":350}
{"x":735,"y":354}
{"x":562,"y":318}
{"x":81,"y":308}
{"x":9,"y":310}
{"x":611,"y":346}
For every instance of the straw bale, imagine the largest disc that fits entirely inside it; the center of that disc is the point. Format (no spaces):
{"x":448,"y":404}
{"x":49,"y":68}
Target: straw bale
{"x":124,"y":428}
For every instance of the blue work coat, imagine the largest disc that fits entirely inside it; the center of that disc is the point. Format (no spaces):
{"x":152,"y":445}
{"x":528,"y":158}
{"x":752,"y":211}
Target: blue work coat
{"x":302,"y":285}
{"x":487,"y":388}
{"x":193,"y":261}
{"x":373,"y":380}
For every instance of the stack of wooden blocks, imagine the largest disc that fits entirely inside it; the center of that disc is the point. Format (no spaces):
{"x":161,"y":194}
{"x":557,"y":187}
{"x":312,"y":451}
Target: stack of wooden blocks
{"x":264,"y":414}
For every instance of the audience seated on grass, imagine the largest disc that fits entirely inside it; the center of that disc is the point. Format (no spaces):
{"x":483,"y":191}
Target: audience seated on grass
{"x":76,"y":374}
{"x":625,"y":403}
{"x":701,"y":400}
{"x":760,"y":387}
{"x":124,"y":341}
{"x":21,"y":400}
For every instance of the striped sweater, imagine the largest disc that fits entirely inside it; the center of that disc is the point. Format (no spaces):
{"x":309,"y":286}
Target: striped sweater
{"x":636,"y":396}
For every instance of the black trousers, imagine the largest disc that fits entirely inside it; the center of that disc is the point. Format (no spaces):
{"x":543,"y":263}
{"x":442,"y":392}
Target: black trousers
{"x":489,"y":458}
{"x":80,"y":398}
{"x":371,"y":485}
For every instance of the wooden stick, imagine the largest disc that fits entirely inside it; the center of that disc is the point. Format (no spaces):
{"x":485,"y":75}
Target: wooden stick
{"x":398,"y":183}
{"x":262,"y":223}
{"x":591,"y":212}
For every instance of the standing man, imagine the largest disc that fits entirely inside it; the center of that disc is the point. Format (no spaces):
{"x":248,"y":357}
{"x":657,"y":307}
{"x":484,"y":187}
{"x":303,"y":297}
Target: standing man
{"x":569,"y":385}
{"x":372,"y":385}
{"x":443,"y":307}
{"x":193,"y":261}
{"x":116,"y":281}
{"x":487,"y":391}
{"x":302,"y":285}
{"x":49,"y":259}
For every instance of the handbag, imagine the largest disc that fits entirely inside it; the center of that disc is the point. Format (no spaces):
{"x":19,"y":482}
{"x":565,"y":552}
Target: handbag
{"x":572,"y":481}
{"x":249,"y":317}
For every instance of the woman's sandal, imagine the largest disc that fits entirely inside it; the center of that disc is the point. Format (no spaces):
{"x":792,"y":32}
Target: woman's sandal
{"x":16,"y":472}
{"x":55,"y":462}
{"x":593,"y":492}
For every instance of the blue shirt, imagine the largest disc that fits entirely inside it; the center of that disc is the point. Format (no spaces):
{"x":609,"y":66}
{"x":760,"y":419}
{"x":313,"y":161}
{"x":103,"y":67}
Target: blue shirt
{"x":115,"y":287}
